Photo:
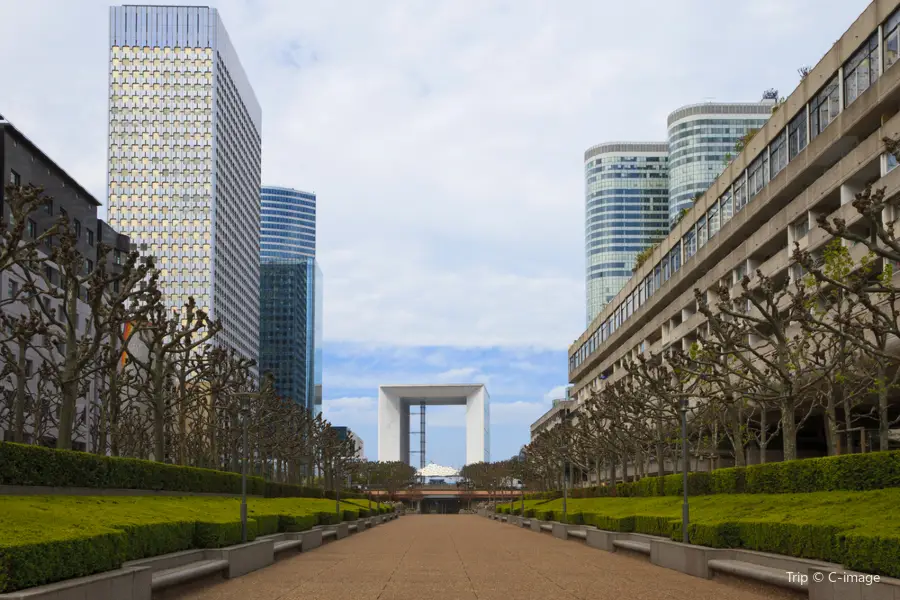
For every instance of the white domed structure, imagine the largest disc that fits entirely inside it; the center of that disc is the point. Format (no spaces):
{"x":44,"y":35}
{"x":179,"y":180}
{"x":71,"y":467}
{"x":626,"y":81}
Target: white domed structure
{"x":434,"y":470}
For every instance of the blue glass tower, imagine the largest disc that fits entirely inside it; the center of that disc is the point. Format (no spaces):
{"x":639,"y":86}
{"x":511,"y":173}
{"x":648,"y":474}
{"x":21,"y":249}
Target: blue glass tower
{"x":626,"y":210}
{"x":291,"y":296}
{"x":288,"y":222}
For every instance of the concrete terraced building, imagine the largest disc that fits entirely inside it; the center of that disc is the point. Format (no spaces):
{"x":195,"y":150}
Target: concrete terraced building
{"x":820,"y":148}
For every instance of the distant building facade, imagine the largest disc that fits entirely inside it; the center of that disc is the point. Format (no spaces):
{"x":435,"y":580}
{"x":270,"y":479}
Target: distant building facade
{"x":288,"y":224}
{"x":185,"y":160}
{"x":626,"y":210}
{"x":291,"y":329}
{"x":701,"y":143}
{"x":23,"y":163}
{"x":291,"y":295}
{"x":345,"y":433}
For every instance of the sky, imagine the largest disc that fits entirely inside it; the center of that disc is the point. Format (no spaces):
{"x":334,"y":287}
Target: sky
{"x":445,"y":143}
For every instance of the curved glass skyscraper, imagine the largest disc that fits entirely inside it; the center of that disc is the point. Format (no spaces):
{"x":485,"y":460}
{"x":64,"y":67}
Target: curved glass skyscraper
{"x":291,"y":296}
{"x":701,"y":138}
{"x":288,"y":219}
{"x":626,"y":210}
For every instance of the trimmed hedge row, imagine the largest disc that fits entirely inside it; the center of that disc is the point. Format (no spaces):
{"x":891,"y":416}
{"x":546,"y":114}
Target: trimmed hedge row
{"x":78,"y":554}
{"x":27,"y":465}
{"x":851,"y":472}
{"x":865,"y":552}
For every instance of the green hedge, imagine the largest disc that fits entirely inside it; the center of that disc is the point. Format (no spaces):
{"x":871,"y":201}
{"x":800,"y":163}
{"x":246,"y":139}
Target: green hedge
{"x":851,"y":472}
{"x":73,"y":544}
{"x":27,"y":465}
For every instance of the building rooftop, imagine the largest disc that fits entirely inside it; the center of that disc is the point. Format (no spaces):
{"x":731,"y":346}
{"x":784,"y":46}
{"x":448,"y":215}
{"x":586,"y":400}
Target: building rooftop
{"x":6,"y":125}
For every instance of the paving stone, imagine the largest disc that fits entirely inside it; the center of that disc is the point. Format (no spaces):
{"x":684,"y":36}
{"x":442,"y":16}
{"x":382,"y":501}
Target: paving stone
{"x":464,"y":557}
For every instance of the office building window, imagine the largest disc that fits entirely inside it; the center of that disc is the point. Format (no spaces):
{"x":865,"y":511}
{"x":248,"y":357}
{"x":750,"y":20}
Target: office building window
{"x":90,"y":237}
{"x":824,"y":108}
{"x":117,"y":257}
{"x":740,"y":192}
{"x":15,"y":178}
{"x":861,"y":70}
{"x":797,"y":138}
{"x":32,"y":229}
{"x":726,"y":206}
{"x":778,"y":152}
{"x":676,"y":257}
{"x":891,"y":39}
{"x":701,"y":232}
{"x":712,"y":218}
{"x":758,"y":173}
{"x":77,"y":229}
{"x":13,"y":288}
{"x":801,"y":227}
{"x":689,"y":241}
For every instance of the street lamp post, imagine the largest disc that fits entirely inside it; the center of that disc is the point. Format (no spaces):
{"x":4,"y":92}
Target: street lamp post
{"x":244,"y":415}
{"x":685,"y":511}
{"x":244,"y":471}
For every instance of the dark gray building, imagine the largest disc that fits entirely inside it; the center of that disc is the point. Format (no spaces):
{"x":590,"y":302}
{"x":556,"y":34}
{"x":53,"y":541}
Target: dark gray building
{"x":22,"y":163}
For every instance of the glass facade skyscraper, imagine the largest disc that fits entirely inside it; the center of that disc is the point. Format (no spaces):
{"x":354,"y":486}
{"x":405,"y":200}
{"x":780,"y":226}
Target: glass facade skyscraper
{"x":291,"y":295}
{"x":184,"y":160}
{"x":288,"y":223}
{"x":626,"y":210}
{"x":702,"y":139}
{"x":291,"y":329}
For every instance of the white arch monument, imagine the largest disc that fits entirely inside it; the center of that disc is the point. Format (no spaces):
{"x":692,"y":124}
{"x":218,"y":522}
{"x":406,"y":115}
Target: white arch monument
{"x":395,"y":401}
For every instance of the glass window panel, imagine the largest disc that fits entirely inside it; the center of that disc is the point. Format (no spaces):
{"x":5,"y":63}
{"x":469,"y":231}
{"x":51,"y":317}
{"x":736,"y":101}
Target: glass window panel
{"x":778,"y":153}
{"x":740,"y":192}
{"x":891,"y":39}
{"x":797,"y":138}
{"x":823,"y":109}
{"x":726,"y":206}
{"x":701,"y":232}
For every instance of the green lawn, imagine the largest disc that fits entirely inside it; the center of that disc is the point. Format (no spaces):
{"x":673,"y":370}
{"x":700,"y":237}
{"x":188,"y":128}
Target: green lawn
{"x":858,"y":529}
{"x":50,"y":538}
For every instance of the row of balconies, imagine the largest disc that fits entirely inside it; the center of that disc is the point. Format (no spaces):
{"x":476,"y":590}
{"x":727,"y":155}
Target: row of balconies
{"x":830,"y":193}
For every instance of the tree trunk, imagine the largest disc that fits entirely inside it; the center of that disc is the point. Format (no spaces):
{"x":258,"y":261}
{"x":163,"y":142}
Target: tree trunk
{"x":211,"y":411}
{"x":737,"y":435}
{"x":789,"y":430}
{"x":69,"y":374}
{"x":831,"y":422}
{"x":883,"y":417}
{"x":159,"y":405}
{"x":660,"y":458}
{"x":21,"y":388}
{"x":763,"y":434}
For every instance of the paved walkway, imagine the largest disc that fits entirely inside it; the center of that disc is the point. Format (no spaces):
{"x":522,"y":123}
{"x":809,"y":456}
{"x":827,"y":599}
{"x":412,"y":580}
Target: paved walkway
{"x":464,"y":557}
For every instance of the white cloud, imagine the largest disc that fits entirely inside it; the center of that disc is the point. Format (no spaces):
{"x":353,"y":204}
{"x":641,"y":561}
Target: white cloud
{"x":444,"y":140}
{"x":556,"y":393}
{"x":356,"y":413}
{"x":355,"y":404}
{"x":461,"y":375}
{"x":516,"y":413}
